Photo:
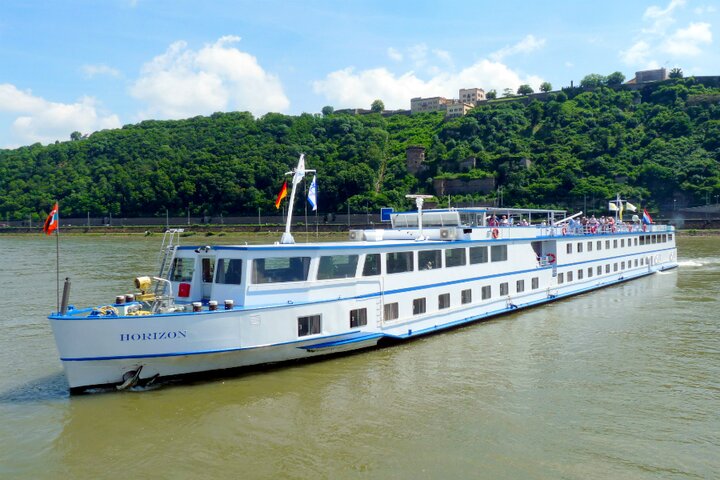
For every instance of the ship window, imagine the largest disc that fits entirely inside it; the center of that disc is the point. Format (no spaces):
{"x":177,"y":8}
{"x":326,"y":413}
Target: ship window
{"x":590,"y":272}
{"x":504,"y":288}
{"x":478,"y":255}
{"x":561,"y":278}
{"x":337,"y":266}
{"x":589,"y":247}
{"x":372,"y":265}
{"x":280,"y":269}
{"x":570,"y":276}
{"x":580,"y":274}
{"x":615,"y":266}
{"x":182,"y":269}
{"x":466,"y":296}
{"x":622,"y":243}
{"x":229,"y":271}
{"x":498,"y":253}
{"x":308,"y":325}
{"x":670,"y":237}
{"x":599,"y":270}
{"x":485,"y":292}
{"x":615,"y":243}
{"x":607,"y":268}
{"x":622,"y":266}
{"x":636,"y":262}
{"x":520,"y":286}
{"x":455,"y":257}
{"x":569,"y":248}
{"x":419,"y":306}
{"x":398,"y":262}
{"x":535,"y":283}
{"x":443,"y":301}
{"x":391,"y":311}
{"x":642,"y":261}
{"x":358,"y":317}
{"x":207,"y":270}
{"x":599,"y":244}
{"x":607,"y":244}
{"x":636,"y":241}
{"x":429,"y":259}
{"x":579,"y":247}
{"x":642,"y":239}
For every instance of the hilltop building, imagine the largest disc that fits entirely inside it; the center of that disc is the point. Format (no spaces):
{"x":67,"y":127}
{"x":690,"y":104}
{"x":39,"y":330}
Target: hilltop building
{"x":647,"y":76}
{"x":472,"y":95}
{"x":432,"y":104}
{"x":468,"y":98}
{"x":415,"y":158}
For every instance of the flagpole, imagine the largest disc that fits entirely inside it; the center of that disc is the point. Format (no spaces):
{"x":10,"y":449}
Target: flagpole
{"x":57,"y":263}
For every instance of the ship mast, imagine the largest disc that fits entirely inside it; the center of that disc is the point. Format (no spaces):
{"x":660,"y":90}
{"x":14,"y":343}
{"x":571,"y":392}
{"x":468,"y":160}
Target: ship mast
{"x":298,"y":173}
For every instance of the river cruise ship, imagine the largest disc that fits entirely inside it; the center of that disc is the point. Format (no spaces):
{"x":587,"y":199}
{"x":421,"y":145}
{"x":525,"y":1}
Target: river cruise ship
{"x":216,"y":308}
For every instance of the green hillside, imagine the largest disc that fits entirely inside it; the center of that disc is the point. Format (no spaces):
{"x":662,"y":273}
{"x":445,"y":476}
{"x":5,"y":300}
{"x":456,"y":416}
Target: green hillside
{"x":654,"y":146}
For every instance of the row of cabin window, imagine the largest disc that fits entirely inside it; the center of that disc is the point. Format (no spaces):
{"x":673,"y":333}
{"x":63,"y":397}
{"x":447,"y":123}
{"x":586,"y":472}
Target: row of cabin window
{"x":641,"y":240}
{"x":392,"y":311}
{"x":312,"y":324}
{"x":599,"y":270}
{"x":294,"y":269}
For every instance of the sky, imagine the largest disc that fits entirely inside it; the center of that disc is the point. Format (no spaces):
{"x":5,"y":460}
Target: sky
{"x":88,"y":65}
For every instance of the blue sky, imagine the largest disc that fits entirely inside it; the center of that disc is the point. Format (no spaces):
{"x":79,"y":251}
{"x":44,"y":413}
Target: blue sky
{"x":87,"y":65}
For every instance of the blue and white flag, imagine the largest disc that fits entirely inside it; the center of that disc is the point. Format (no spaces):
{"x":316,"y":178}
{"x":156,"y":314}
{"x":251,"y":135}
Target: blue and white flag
{"x":312,"y":193}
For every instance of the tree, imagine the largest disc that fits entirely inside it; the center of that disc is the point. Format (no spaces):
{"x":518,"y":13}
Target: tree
{"x":676,"y":73}
{"x":546,"y":87}
{"x":593,"y":80}
{"x":507,"y":92}
{"x":615,"y":79}
{"x":327,"y":110}
{"x":74,"y":136}
{"x":491,"y":95}
{"x":377,"y":106}
{"x":525,"y":89}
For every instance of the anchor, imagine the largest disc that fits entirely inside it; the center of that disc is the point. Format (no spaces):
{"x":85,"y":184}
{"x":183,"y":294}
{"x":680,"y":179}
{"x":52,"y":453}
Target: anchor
{"x":130,"y":379}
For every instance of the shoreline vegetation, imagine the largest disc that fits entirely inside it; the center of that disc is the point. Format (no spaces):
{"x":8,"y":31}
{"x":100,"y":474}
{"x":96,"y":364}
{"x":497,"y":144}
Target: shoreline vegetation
{"x":272,"y":232}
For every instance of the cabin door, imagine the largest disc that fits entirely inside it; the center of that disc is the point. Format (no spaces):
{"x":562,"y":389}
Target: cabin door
{"x":208,"y":273}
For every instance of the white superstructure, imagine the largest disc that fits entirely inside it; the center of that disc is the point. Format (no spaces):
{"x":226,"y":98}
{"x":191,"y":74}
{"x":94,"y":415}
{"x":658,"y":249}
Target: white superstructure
{"x":429,"y":272}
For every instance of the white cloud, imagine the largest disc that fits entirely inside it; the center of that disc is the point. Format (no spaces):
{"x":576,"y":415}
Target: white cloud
{"x":702,"y":10}
{"x":526,"y":45}
{"x":637,"y":54}
{"x":347,"y":88}
{"x":182,"y":82}
{"x":688,"y":41}
{"x":395,"y":55}
{"x":91,"y":71}
{"x":661,"y":18}
{"x":660,"y":41}
{"x":40,"y":120}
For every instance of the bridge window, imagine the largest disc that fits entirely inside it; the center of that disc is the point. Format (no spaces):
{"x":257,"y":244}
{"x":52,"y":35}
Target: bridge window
{"x":337,"y":266}
{"x":372,"y":265}
{"x":280,"y":269}
{"x":182,"y":269}
{"x":229,"y":271}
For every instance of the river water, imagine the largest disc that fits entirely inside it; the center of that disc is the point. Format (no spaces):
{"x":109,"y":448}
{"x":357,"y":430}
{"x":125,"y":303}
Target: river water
{"x":621,"y":383}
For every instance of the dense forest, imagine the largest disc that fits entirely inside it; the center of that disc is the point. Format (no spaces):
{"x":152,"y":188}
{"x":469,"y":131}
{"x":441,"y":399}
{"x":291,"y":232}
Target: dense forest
{"x":655,"y":146}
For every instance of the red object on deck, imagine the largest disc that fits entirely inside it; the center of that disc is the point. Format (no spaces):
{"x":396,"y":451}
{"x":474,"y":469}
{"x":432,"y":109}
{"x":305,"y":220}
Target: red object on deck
{"x":184,"y":290}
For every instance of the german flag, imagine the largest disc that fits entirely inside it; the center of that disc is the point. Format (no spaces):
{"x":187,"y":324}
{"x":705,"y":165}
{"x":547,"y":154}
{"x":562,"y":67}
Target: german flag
{"x":281,"y":195}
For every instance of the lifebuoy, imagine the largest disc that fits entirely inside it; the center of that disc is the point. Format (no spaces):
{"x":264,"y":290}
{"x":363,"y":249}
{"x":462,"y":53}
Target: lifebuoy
{"x":644,"y":228}
{"x":495,"y":233}
{"x":551,"y":257}
{"x":564,"y":230}
{"x":593,"y":229}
